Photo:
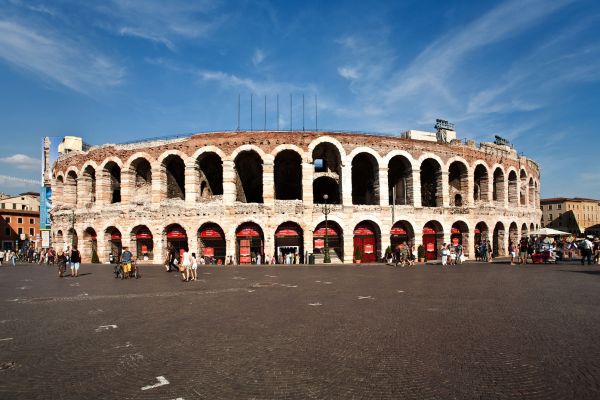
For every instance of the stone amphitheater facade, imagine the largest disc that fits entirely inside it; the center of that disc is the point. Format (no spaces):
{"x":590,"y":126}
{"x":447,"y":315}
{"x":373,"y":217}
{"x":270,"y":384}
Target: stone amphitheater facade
{"x":246,"y":193}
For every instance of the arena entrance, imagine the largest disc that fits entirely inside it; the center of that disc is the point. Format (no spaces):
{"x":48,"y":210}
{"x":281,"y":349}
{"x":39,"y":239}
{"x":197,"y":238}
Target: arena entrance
{"x":289,"y":244}
{"x":144,"y":244}
{"x":90,"y":245}
{"x":459,"y":234}
{"x":433,"y":238}
{"x":498,"y":240}
{"x":176,"y":240}
{"x":250,"y":243}
{"x":400,"y":233}
{"x":211,"y":241}
{"x":366,"y":236}
{"x":335,"y":240}
{"x":115,"y":244}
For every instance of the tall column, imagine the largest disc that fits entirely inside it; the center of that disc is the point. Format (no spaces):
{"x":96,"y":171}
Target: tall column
{"x":490,"y":190}
{"x":308,"y":242}
{"x":445,"y":196}
{"x":159,"y":249}
{"x":346,"y":183}
{"x":229,"y":191}
{"x":505,"y":186}
{"x":348,"y":245}
{"x":127,"y":186}
{"x":159,"y":184}
{"x":191,"y":185}
{"x":308,"y":171}
{"x":416,"y":187}
{"x":384,"y":199}
{"x":102,"y":188}
{"x":268,"y":184}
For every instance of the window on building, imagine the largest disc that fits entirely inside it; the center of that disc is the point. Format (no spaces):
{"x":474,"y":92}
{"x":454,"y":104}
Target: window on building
{"x":559,"y":206}
{"x":8,"y":220}
{"x":549,"y":206}
{"x":20,"y":230}
{"x":19,"y":220}
{"x":31,"y":231}
{"x":14,"y":206}
{"x":7,"y":231}
{"x":550,"y":217}
{"x":31,"y":221}
{"x":23,"y":207}
{"x":1,"y":205}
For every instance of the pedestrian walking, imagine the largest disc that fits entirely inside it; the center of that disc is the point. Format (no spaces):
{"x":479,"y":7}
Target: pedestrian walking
{"x":459,"y":254}
{"x":483,"y":250}
{"x":2,"y":252}
{"x":194,"y":267}
{"x":445,"y":253}
{"x":126,"y":258}
{"x":61,"y":262}
{"x":75,"y":261}
{"x":512,"y":251}
{"x":185,"y":266}
{"x":586,"y":251}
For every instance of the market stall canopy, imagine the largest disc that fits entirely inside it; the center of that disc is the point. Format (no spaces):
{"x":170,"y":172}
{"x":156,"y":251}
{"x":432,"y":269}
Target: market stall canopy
{"x":548,"y":232}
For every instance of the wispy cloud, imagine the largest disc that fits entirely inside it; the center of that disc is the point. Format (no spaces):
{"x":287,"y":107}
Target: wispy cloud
{"x":349,"y":72}
{"x":159,"y":21}
{"x":56,"y":57}
{"x":257,"y":86}
{"x":22,"y":161}
{"x":11,"y":182}
{"x":258,"y":57}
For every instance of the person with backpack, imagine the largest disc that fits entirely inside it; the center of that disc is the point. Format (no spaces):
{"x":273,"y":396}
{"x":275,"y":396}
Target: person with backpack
{"x":586,"y":251}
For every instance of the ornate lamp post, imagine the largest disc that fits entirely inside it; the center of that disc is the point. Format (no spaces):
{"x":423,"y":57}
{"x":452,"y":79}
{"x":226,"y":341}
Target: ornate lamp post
{"x":326,"y":210}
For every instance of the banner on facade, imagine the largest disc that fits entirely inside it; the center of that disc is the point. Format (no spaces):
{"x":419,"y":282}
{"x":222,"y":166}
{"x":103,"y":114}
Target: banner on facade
{"x":45,"y":238}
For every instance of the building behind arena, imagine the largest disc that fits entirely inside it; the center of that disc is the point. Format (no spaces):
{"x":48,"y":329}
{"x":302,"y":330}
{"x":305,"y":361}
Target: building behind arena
{"x":245,"y":193}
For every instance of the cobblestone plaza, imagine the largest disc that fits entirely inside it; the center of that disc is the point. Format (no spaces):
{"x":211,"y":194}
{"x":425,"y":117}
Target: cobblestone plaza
{"x":480,"y":331}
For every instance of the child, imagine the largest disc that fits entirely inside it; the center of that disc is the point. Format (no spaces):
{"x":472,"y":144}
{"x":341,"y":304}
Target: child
{"x":444,"y":254}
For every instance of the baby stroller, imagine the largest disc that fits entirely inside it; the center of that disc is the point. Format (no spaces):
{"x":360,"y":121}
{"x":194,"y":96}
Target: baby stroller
{"x":120,"y":272}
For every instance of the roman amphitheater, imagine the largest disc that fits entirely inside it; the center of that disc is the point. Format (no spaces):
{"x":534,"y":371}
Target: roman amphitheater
{"x":242,"y":194}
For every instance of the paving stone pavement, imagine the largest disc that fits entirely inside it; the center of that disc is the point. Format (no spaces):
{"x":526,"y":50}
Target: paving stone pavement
{"x":477,"y":331}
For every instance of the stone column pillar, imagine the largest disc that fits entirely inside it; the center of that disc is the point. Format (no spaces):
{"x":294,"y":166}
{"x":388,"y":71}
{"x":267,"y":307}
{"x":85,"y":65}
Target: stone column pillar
{"x":229,"y":191}
{"x":307,"y":181}
{"x":102,"y":188}
{"x":159,"y":248}
{"x":127,"y":186}
{"x":348,"y":245}
{"x":269,"y":245}
{"x":445,"y":187}
{"x":103,"y":248}
{"x":268,"y":184}
{"x":232,"y":245}
{"x":490,"y":190}
{"x":159,"y":184}
{"x":505,"y":186}
{"x":384,"y":198}
{"x":346,"y":183}
{"x":191,"y":186}
{"x":308,"y":242}
{"x":416,"y":187}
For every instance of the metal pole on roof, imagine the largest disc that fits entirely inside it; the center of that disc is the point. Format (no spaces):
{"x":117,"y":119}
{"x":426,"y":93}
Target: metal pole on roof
{"x":278,"y":111}
{"x":316,"y":115}
{"x":251,"y":121}
{"x":265,"y":125}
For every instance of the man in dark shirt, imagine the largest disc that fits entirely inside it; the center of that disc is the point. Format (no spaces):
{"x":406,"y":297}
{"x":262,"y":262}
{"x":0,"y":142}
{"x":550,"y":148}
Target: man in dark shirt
{"x":75,"y":261}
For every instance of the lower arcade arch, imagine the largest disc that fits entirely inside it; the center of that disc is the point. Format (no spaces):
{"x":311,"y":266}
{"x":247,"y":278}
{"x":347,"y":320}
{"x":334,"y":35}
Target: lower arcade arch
{"x":113,"y":239}
{"x":89,"y":246}
{"x":402,"y":232}
{"x":142,"y":242}
{"x":459,"y":235}
{"x":513,"y":233}
{"x":250,"y":244}
{"x":289,"y":244}
{"x":498,"y":240}
{"x":72,"y":239}
{"x":332,"y":235}
{"x":524,"y":230}
{"x":367,"y":242}
{"x":176,"y":240}
{"x":433,"y":239}
{"x":211,"y":243}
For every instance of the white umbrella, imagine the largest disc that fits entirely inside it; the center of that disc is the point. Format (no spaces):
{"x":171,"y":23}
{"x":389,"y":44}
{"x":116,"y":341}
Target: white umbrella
{"x":548,"y":232}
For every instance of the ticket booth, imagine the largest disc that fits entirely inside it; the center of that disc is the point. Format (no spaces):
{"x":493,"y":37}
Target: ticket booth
{"x":429,"y":242}
{"x":334,"y":239}
{"x":144,"y":244}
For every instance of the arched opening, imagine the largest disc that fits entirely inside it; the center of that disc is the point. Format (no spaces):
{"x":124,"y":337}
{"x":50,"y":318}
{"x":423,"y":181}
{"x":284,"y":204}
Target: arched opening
{"x":531,"y":192}
{"x":481,"y":182}
{"x":402,"y":233}
{"x":531,"y":227}
{"x":513,"y":189}
{"x":431,"y":183}
{"x":513,"y":234}
{"x":113,"y":174}
{"x":498,"y":242}
{"x":433,"y":239}
{"x":365,"y":179}
{"x":367,"y":239}
{"x":60,"y":241}
{"x":482,"y":233}
{"x":458,"y":180}
{"x":141,"y":171}
{"x":289,"y":243}
{"x":70,"y":189}
{"x":326,"y":185}
{"x":143,"y":243}
{"x":498,"y":185}
{"x":89,"y":248}
{"x":459,"y":235}
{"x":113,"y":237}
{"x":288,"y":175}
{"x":400,"y":181}
{"x":334,"y":238}
{"x":177,"y":241}
{"x":524,"y":230}
{"x":73,"y":241}
{"x":175,"y":174}
{"x":211,"y":243}
{"x":327,"y":163}
{"x":210,"y":175}
{"x":89,"y":185}
{"x":249,"y":177}
{"x":523,"y":188}
{"x":250,"y":244}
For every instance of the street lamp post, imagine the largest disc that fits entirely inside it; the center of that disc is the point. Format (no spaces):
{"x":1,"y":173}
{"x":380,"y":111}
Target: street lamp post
{"x":326,"y":210}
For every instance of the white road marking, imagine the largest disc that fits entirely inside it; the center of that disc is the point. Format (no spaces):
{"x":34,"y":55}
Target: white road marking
{"x":318,"y":281}
{"x":127,"y":344}
{"x":6,"y":339}
{"x":400,"y":291}
{"x":105,"y":328}
{"x":23,"y":287}
{"x":366,"y":298}
{"x":238,"y":278}
{"x":315,"y":304}
{"x":207,"y":273}
{"x":250,"y":290}
{"x":327,"y":283}
{"x":161,"y":382}
{"x":74,"y":284}
{"x":271,"y":276}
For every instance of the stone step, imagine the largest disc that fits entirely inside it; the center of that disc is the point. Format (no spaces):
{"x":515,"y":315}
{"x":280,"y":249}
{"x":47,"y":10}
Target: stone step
{"x":334,"y":258}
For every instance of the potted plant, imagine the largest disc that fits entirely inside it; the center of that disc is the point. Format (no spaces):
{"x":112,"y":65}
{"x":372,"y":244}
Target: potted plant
{"x":357,"y":256}
{"x":95,"y":259}
{"x":421,"y":253}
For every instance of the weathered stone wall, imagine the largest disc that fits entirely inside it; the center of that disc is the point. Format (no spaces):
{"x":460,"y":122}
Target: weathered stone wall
{"x":149,"y":205}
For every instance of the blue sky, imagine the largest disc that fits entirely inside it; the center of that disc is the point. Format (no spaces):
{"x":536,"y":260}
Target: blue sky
{"x":119,"y":70}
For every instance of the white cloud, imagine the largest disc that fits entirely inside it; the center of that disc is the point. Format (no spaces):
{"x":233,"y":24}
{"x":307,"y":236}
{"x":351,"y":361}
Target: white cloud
{"x":56,"y":57}
{"x":258,"y":57}
{"x":22,"y":161}
{"x":254,"y":86}
{"x":11,"y":182}
{"x":348,"y":72}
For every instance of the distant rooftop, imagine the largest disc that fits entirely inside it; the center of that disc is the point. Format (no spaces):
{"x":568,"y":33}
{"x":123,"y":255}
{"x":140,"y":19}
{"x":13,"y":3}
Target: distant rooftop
{"x":563,"y":199}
